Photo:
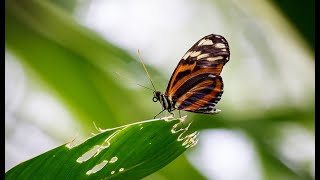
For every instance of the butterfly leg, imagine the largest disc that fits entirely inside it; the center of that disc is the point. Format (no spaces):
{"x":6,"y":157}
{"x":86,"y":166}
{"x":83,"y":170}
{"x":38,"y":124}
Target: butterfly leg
{"x":172,"y":113}
{"x":159,"y":113}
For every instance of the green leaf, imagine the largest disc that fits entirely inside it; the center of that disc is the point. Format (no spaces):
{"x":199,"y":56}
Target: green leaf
{"x":128,"y":152}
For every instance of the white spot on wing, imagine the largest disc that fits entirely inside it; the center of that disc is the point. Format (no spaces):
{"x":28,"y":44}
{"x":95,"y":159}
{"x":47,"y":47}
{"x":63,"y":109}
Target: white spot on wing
{"x":195,"y":53}
{"x":214,"y":58}
{"x":187,"y":55}
{"x":203,"y":40}
{"x":202,"y":56}
{"x":208,"y":42}
{"x":220,"y":45}
{"x":223,"y":40}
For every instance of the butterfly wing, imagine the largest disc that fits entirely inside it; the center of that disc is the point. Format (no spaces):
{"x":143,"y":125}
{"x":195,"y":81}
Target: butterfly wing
{"x":196,"y":84}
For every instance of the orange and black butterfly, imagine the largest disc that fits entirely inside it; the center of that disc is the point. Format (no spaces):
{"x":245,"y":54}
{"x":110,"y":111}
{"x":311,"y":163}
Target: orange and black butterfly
{"x":196,"y":84}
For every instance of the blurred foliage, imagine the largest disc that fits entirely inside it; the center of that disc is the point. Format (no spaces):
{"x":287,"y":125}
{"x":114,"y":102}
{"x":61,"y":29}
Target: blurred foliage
{"x":78,"y":66}
{"x":301,"y":14}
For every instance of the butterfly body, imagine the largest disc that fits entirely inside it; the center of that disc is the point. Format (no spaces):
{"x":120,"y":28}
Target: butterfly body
{"x":196,"y":84}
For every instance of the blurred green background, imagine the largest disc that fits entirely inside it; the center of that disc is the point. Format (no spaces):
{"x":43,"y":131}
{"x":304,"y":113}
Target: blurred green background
{"x":61,"y":59}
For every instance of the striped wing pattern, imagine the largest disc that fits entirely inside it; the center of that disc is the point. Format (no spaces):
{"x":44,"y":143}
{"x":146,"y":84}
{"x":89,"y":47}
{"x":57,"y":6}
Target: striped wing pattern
{"x":196,"y":84}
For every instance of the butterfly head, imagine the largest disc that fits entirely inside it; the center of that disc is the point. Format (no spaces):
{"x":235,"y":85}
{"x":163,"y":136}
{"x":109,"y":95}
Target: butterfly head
{"x":156,"y":96}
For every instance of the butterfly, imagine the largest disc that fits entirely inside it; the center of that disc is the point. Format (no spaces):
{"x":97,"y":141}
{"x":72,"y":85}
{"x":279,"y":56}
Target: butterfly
{"x":196,"y":85}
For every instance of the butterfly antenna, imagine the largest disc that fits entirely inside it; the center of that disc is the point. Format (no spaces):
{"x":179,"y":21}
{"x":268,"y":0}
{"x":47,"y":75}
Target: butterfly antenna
{"x":133,"y":82}
{"x":145,"y":69}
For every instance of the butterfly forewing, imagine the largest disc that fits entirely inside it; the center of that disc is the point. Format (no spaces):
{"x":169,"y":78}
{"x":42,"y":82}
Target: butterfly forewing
{"x":196,"y":84}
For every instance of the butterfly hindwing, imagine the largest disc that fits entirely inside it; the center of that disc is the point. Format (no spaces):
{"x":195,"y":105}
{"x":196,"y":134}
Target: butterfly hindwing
{"x":202,"y":97}
{"x":196,"y":84}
